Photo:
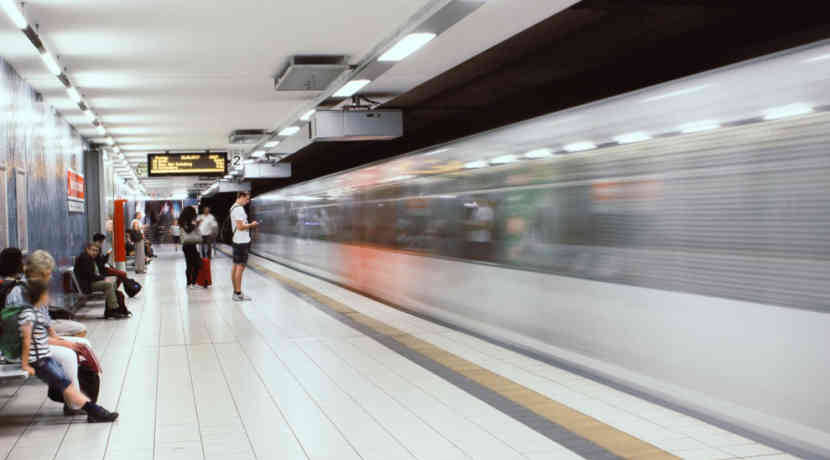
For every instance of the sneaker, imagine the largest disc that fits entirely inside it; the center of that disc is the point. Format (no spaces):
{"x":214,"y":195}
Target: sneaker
{"x":101,"y":415}
{"x":238,"y":297}
{"x":108,"y":313}
{"x":244,"y":298}
{"x":124,"y":312}
{"x":69,"y":412}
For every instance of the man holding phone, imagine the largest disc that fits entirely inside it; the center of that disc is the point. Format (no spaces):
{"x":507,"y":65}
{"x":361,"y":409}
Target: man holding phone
{"x":241,"y":243}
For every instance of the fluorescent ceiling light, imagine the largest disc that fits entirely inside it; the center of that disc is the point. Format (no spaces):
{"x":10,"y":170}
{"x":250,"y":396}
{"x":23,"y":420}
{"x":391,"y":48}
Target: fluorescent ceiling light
{"x":504,"y":159}
{"x":698,"y":126}
{"x":823,"y":57}
{"x":228,"y":176}
{"x":248,"y":161}
{"x":90,"y":116}
{"x":787,"y":111}
{"x":290,"y":131}
{"x":271,"y":144}
{"x":629,"y":138}
{"x":307,"y":116}
{"x":580,"y":146}
{"x":405,"y":47}
{"x":679,"y":92}
{"x":258,"y":154}
{"x":74,"y":94}
{"x":475,"y":164}
{"x":14,"y":13}
{"x":539,"y":153}
{"x":350,"y":88}
{"x":51,"y":63}
{"x":101,"y":130}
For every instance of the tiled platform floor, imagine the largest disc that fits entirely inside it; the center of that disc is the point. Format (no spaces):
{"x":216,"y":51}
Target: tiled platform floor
{"x":197,"y":376}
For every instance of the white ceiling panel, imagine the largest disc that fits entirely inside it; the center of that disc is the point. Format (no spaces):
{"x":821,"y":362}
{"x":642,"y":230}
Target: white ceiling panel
{"x":181,"y":75}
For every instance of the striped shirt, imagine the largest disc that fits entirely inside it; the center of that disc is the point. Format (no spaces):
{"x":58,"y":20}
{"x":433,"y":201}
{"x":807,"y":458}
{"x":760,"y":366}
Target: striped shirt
{"x":40,"y":320}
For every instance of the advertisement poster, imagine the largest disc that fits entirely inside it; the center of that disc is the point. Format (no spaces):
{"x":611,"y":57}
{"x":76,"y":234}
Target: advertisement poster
{"x":74,"y":191}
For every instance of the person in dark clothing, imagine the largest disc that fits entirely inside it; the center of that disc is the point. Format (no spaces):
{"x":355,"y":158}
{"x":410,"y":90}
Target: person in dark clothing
{"x":92,"y":280}
{"x":103,"y":258}
{"x":11,"y":263}
{"x":190,"y":238}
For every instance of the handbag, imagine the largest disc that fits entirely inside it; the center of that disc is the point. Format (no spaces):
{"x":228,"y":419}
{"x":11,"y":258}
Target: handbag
{"x":192,"y":238}
{"x":131,"y":287}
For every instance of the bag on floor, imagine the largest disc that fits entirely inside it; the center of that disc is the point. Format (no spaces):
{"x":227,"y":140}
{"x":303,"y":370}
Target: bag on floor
{"x":131,"y":287}
{"x":203,"y":278}
{"x":88,"y":380}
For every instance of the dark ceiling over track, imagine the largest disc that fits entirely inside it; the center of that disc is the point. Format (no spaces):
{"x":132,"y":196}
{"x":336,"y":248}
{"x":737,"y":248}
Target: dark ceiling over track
{"x":593,"y":50}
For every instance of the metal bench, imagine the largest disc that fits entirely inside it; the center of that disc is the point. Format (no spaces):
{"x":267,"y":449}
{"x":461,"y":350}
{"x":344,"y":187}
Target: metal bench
{"x":11,"y":371}
{"x":74,"y":300}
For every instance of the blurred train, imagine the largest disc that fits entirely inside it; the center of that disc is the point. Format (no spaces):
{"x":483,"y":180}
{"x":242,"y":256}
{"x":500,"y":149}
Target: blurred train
{"x":675,"y":240}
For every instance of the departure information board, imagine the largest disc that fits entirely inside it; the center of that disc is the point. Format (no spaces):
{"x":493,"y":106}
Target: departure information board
{"x":187,"y":164}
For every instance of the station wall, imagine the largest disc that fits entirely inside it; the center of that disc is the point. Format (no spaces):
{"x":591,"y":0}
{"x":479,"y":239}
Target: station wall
{"x":37,"y":147}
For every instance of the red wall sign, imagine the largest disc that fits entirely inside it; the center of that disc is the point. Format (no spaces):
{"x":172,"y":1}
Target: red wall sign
{"x":74,"y":185}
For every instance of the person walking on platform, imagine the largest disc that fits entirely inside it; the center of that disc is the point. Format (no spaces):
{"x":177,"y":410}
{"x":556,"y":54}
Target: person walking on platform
{"x":190,"y":238}
{"x":176,"y":233}
{"x":241,"y":243}
{"x":207,"y":228}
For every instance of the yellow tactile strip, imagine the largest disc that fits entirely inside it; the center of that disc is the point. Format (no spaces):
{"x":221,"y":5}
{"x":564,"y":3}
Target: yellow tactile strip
{"x":596,"y":431}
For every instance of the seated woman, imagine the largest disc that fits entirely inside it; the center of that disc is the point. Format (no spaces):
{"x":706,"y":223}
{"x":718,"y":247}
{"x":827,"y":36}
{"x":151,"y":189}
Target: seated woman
{"x":92,"y":280}
{"x":37,"y":337}
{"x":11,"y":271}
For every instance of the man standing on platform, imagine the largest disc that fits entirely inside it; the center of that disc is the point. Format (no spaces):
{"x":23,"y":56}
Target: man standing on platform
{"x":208,"y":228}
{"x":241,"y":242}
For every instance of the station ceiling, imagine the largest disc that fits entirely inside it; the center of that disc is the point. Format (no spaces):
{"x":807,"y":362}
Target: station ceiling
{"x":182,"y":75}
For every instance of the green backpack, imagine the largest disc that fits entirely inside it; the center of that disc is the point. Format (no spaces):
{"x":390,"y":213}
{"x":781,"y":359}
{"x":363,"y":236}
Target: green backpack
{"x":10,"y":343}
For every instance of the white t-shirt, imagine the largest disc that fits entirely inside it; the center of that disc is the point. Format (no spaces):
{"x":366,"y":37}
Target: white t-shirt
{"x":238,"y":213}
{"x":207,"y":225}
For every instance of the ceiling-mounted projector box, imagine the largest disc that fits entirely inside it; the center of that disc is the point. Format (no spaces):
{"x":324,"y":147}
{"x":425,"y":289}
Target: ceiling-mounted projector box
{"x":364,"y":125}
{"x":267,"y":170}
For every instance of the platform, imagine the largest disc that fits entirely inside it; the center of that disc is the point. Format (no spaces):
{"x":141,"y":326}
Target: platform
{"x":310,"y":370}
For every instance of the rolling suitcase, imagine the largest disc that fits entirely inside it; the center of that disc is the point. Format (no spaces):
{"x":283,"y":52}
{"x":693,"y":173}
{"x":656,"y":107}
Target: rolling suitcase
{"x":203,"y":278}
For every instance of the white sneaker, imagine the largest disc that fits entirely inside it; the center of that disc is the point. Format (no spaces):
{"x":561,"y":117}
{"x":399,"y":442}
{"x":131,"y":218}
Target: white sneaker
{"x":241,"y":298}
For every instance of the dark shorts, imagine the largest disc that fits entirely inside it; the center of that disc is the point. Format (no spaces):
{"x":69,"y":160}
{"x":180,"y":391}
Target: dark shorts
{"x":240,"y":253}
{"x":177,"y":239}
{"x":50,"y":371}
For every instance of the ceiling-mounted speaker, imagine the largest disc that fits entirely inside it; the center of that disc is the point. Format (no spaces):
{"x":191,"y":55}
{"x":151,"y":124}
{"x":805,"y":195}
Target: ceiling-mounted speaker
{"x":246,"y":136}
{"x":310,"y":73}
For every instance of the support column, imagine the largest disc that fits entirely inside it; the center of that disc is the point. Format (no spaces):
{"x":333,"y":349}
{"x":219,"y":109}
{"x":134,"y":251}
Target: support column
{"x":118,"y":235}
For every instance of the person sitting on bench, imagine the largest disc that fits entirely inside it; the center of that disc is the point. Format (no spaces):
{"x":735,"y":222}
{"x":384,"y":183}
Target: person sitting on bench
{"x":12,"y":271}
{"x":103,"y":258}
{"x":92,"y":280}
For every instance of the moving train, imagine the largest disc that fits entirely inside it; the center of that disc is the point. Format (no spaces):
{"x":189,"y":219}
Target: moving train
{"x":674,"y":240}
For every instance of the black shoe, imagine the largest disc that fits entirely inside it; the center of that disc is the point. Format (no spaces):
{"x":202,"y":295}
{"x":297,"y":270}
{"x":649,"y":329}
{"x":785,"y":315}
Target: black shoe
{"x":101,"y":415}
{"x":108,"y":313}
{"x":69,"y":412}
{"x":124,"y":312}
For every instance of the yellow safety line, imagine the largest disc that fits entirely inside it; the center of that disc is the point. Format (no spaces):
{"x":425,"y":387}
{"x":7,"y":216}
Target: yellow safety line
{"x":600,"y":433}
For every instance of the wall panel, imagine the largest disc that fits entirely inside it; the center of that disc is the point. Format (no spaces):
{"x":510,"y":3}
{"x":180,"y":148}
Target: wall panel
{"x":37,"y":146}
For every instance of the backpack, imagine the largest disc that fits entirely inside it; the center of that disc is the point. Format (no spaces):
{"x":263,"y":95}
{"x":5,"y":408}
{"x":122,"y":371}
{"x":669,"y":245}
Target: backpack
{"x":9,"y":329}
{"x":10,"y":344}
{"x":5,"y":288}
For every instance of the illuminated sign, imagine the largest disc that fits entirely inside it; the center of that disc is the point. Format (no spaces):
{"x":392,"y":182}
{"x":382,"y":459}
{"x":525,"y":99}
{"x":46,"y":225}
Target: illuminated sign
{"x":187,"y":164}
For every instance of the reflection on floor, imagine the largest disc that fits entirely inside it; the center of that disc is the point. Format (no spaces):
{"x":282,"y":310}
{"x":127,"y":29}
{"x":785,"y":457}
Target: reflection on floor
{"x":198,"y":376}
